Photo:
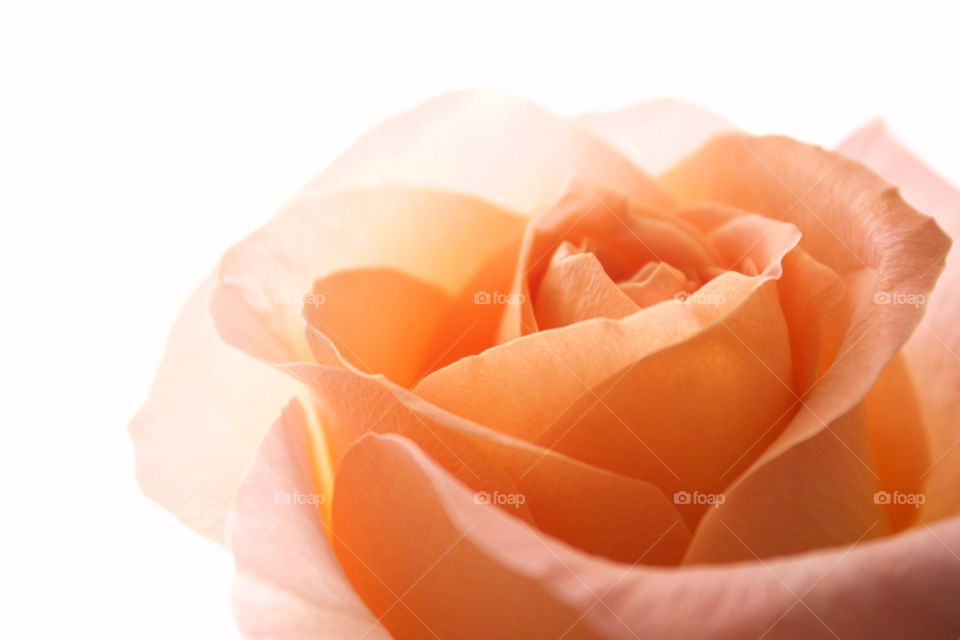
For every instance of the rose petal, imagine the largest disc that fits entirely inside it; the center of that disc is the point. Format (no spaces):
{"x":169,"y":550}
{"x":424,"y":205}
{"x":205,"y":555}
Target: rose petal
{"x":621,"y":234}
{"x":685,"y":416}
{"x":898,"y":439}
{"x":199,"y":428}
{"x":852,"y":222}
{"x":488,"y":145}
{"x":575,"y":361}
{"x":574,"y":288}
{"x":289,"y":583}
{"x":819,"y":493}
{"x":596,"y":510}
{"x":380,"y":320}
{"x":439,"y":238}
{"x":934,"y":349}
{"x":430,"y":560}
{"x":384,"y":505}
{"x":658,"y":133}
{"x":656,"y":282}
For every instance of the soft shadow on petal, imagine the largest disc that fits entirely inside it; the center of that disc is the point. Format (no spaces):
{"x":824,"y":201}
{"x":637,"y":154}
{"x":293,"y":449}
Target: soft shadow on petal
{"x":208,"y":408}
{"x":491,"y":146}
{"x":289,"y":584}
{"x":379,"y":320}
{"x":898,"y":439}
{"x":933,"y":352}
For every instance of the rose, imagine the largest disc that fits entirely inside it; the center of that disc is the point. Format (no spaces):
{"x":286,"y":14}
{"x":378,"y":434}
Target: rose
{"x":727,"y":331}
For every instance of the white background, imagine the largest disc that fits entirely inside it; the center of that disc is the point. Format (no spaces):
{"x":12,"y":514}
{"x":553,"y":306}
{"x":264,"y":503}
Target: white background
{"x":138,"y":140}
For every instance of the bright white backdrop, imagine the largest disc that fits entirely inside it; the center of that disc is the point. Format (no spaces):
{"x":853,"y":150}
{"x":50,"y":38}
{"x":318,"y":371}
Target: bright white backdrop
{"x":138,"y":141}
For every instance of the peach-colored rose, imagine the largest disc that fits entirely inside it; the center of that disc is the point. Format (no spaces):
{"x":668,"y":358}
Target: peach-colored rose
{"x":519,"y":388}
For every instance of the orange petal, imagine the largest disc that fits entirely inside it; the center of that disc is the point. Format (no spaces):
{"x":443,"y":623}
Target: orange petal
{"x":933,"y":352}
{"x":621,"y":234}
{"x":574,"y":288}
{"x":685,"y":416}
{"x":615,"y":516}
{"x":288,"y":581}
{"x":898,"y":440}
{"x":439,"y":238}
{"x":430,"y":560}
{"x":488,"y":145}
{"x":852,"y":222}
{"x":656,"y":282}
{"x":658,"y":133}
{"x":819,"y":493}
{"x":669,"y":353}
{"x":406,"y":557}
{"x":380,"y":320}
{"x":201,"y":424}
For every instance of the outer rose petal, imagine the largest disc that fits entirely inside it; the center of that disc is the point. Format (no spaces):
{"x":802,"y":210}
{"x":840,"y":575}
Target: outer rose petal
{"x":425,"y":556}
{"x":853,"y":222}
{"x":487,"y":145}
{"x":593,"y":509}
{"x":440,"y":238}
{"x":933,"y":351}
{"x":209,"y":406}
{"x":658,"y":133}
{"x":289,"y":584}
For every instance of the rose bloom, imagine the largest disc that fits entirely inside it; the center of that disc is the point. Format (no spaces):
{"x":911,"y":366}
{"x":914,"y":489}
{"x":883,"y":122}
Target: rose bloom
{"x":498,"y":374}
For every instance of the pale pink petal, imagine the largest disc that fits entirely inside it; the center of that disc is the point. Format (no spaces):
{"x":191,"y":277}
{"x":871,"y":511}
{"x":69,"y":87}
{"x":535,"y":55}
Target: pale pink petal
{"x":289,"y":584}
{"x":656,"y":134}
{"x":934,"y":350}
{"x":488,"y":145}
{"x":208,"y":408}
